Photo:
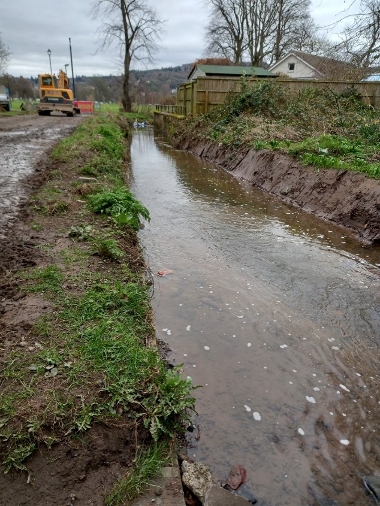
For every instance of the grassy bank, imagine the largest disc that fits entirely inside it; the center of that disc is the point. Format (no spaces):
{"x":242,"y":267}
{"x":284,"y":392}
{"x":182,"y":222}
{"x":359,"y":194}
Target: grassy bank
{"x":316,"y":126}
{"x":90,"y":355}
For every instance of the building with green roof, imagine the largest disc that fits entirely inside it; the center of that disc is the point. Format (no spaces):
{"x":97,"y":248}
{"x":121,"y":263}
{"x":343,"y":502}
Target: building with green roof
{"x":228,"y":71}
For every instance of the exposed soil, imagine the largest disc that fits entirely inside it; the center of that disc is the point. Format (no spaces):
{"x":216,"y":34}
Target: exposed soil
{"x":76,"y":472}
{"x":345,"y":198}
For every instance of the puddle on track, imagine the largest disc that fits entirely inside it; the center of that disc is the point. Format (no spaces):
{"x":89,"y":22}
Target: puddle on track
{"x":276,"y":315}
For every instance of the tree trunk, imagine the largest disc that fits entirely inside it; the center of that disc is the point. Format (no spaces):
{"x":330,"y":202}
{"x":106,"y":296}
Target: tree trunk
{"x":126,"y":98}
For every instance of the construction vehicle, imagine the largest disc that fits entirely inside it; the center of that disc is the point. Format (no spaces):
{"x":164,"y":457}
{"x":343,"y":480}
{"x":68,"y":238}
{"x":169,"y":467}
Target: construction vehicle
{"x":4,"y":98}
{"x":55,"y":95}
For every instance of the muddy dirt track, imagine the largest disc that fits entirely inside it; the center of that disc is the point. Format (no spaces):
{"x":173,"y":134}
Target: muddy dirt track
{"x":23,"y":142}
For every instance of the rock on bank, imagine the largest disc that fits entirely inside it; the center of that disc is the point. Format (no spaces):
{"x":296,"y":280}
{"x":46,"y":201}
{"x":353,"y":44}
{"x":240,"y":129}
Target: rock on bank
{"x":347,"y":198}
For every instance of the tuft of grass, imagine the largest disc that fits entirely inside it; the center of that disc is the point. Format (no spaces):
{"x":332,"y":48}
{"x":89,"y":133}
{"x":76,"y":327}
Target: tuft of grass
{"x":46,"y":280}
{"x":147,"y":465}
{"x":107,"y":248}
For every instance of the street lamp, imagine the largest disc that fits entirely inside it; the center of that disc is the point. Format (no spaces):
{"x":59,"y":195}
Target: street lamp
{"x":72,"y":68}
{"x":49,"y":54}
{"x":66,"y":65}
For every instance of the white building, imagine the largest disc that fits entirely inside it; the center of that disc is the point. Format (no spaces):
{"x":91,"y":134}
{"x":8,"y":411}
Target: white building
{"x":300,"y":65}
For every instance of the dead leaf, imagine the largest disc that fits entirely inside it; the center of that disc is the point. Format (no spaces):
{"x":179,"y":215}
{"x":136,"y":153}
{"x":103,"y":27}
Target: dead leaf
{"x":164,"y":273}
{"x":237,"y":477}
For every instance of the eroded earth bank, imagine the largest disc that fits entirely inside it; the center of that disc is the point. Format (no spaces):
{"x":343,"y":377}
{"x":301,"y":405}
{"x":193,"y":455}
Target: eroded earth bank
{"x":343,"y":197}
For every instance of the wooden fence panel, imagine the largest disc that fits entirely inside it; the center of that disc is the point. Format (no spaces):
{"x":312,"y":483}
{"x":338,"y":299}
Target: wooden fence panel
{"x":200,"y":96}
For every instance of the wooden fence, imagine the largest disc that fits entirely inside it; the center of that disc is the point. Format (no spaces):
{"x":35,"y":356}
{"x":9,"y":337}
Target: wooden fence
{"x":178,"y":110}
{"x":200,"y":96}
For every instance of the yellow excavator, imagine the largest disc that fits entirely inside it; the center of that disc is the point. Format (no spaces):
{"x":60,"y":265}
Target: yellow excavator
{"x":56,"y":95}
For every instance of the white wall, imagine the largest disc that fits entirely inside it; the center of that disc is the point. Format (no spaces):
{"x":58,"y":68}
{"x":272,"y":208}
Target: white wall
{"x":301,"y":70}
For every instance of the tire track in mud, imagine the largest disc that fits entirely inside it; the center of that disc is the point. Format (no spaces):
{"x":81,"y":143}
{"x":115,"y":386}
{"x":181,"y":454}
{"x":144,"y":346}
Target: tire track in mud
{"x":24,"y":140}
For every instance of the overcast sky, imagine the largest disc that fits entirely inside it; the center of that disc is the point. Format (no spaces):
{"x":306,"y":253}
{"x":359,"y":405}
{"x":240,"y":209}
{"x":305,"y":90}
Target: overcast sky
{"x":29,"y":29}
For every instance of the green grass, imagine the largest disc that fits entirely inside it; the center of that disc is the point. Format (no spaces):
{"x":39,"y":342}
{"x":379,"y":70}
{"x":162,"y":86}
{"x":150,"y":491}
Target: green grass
{"x":47,"y":280}
{"x":331,"y":151}
{"x":15,"y":109}
{"x":90,"y":360}
{"x":96,"y":337}
{"x":142,"y":112}
{"x":147,"y":465}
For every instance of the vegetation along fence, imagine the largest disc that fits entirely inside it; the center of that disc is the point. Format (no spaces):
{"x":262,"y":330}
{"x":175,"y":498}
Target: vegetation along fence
{"x":200,"y":96}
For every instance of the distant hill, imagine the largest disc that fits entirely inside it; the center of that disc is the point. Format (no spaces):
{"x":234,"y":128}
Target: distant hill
{"x":147,"y":86}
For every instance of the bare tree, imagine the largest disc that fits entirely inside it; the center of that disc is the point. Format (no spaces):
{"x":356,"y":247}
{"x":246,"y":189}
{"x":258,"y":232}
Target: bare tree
{"x":226,"y":30}
{"x":361,"y":39}
{"x":309,"y":38}
{"x":260,"y":30}
{"x":4,"y":56}
{"x":135,"y":28}
{"x":292,"y":18}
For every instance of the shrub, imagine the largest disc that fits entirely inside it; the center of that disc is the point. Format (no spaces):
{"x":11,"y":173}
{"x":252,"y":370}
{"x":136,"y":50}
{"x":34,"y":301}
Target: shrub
{"x":120,"y":205}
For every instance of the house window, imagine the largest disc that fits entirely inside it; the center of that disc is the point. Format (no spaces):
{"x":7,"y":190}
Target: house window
{"x":291,"y":66}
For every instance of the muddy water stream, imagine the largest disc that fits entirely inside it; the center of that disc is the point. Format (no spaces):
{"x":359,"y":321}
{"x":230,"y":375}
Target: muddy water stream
{"x":276,"y":315}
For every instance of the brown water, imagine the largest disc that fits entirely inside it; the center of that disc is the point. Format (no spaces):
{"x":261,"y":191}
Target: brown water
{"x":276,"y":315}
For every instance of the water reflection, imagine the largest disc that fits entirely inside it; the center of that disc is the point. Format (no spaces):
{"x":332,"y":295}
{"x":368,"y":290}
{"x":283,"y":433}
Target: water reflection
{"x":276,"y":315}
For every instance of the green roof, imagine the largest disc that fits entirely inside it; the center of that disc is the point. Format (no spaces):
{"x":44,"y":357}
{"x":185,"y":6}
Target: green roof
{"x":232,"y":70}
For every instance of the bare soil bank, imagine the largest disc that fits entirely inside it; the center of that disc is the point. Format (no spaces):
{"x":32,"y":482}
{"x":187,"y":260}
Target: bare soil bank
{"x":346,"y":198}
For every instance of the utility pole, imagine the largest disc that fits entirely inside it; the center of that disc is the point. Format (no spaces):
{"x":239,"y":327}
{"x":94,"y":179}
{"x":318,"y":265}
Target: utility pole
{"x":72,"y":68}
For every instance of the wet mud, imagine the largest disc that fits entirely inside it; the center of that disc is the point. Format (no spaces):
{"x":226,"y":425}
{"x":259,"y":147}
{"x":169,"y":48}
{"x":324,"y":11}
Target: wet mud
{"x":23,"y":142}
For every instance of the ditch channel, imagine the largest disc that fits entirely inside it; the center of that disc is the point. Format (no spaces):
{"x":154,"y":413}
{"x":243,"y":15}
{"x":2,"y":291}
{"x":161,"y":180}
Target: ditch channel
{"x":275,"y":315}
